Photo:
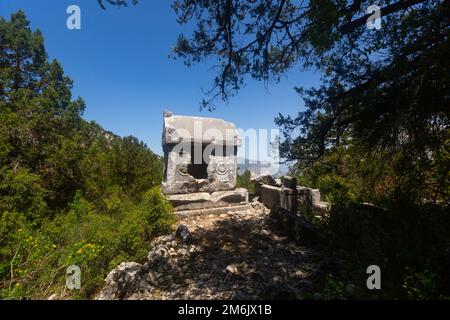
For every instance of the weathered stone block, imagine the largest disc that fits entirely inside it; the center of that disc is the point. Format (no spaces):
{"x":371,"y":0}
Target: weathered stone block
{"x":275,"y":197}
{"x":181,"y":199}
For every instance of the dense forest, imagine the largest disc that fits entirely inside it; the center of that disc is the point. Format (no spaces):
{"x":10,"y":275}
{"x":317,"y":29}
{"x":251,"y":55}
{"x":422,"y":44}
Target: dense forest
{"x":71,"y":193}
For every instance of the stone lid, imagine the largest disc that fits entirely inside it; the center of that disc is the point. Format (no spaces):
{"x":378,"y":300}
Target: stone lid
{"x":179,"y":128}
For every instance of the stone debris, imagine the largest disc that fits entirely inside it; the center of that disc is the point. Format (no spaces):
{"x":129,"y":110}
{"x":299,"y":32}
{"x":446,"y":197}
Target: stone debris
{"x":236,"y":255}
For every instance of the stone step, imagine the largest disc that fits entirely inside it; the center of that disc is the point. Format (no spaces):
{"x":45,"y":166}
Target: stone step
{"x":215,"y":211}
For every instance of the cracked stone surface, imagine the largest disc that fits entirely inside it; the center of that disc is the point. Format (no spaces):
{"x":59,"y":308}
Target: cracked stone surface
{"x":235,"y":255}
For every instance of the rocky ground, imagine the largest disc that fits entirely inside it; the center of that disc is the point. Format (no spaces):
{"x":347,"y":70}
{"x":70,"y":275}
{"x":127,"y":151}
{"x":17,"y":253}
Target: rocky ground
{"x":236,"y":255}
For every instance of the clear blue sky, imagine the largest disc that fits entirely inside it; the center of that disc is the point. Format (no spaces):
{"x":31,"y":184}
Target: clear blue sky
{"x":120,"y":66}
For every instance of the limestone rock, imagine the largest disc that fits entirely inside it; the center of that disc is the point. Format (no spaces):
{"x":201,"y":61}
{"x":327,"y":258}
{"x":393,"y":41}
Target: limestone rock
{"x":264,"y":179}
{"x":278,"y":182}
{"x":122,"y":281}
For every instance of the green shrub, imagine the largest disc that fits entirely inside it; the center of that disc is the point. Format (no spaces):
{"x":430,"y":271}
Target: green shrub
{"x":335,"y":189}
{"x":151,"y":218}
{"x":22,"y":191}
{"x":96,"y":242}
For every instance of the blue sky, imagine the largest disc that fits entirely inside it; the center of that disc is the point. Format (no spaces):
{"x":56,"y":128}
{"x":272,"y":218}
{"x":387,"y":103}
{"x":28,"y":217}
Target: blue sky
{"x":120,"y":66}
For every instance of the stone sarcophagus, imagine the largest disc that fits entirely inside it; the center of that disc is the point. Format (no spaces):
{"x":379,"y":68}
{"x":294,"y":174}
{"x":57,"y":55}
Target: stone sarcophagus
{"x":200,"y":162}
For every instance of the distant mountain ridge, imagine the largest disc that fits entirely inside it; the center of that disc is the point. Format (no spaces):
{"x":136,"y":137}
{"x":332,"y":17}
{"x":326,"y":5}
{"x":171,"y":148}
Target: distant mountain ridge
{"x":260,"y":167}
